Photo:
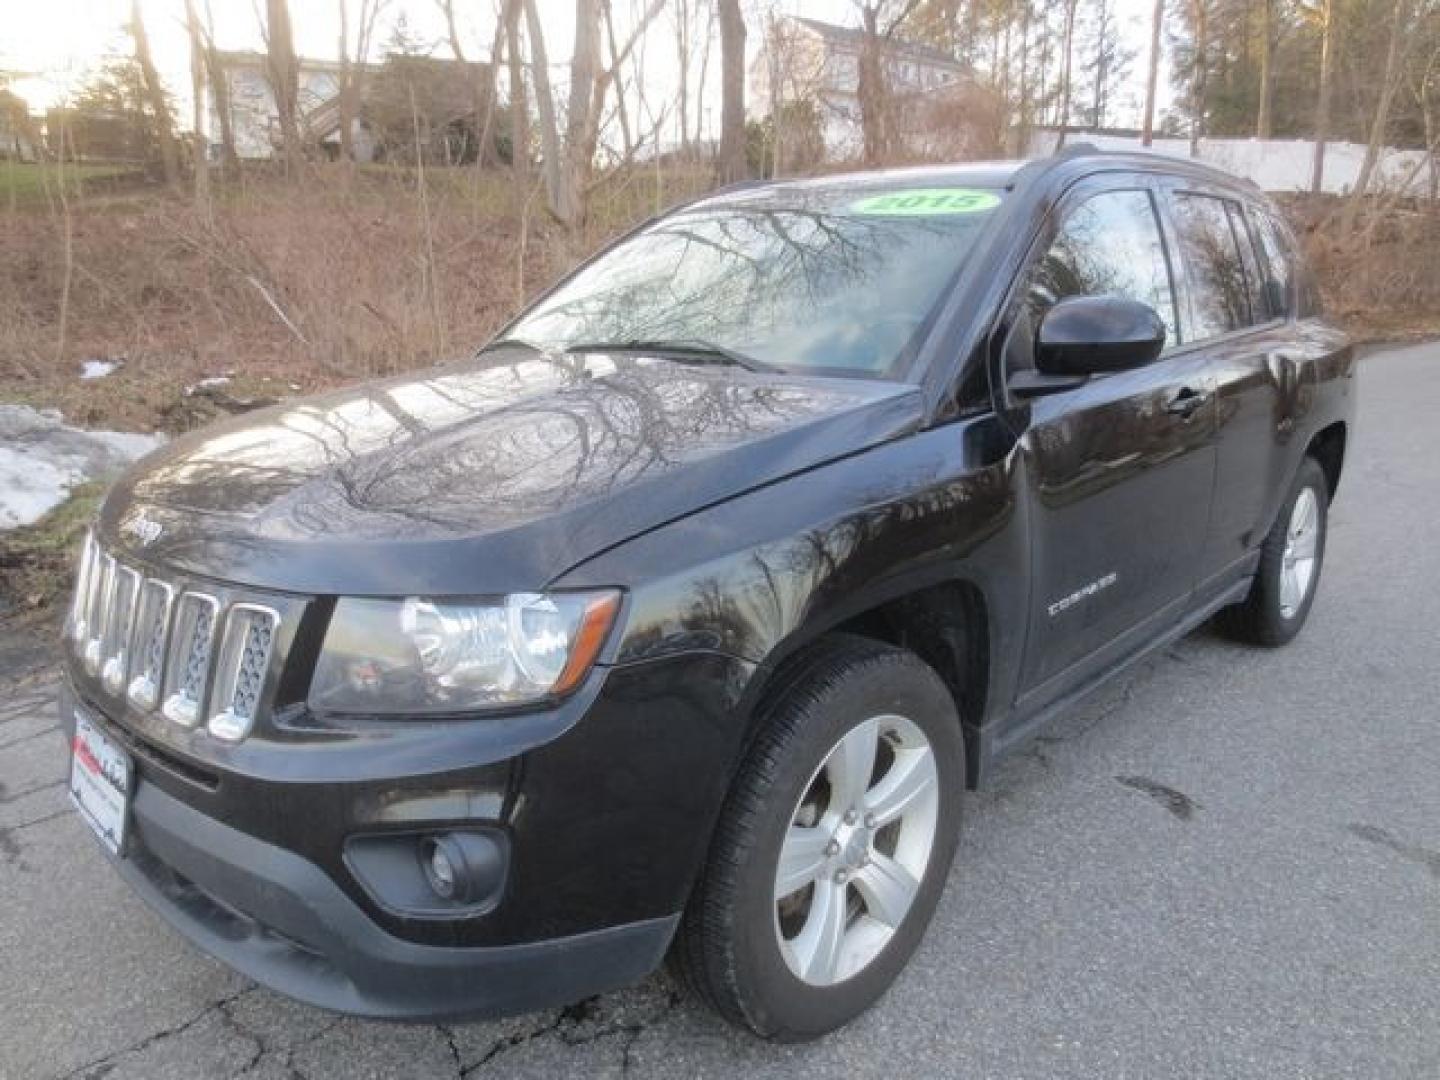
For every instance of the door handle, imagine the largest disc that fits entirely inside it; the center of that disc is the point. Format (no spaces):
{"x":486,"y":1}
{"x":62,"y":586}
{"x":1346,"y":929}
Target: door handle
{"x":1184,"y":403}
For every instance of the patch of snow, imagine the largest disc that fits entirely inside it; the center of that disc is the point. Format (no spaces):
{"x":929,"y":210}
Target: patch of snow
{"x":42,"y":458}
{"x":208,"y":383}
{"x":98,"y":369}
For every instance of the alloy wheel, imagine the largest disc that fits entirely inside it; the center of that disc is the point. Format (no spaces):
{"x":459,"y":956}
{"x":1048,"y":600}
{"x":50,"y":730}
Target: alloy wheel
{"x":1298,"y":564}
{"x":856,"y":850}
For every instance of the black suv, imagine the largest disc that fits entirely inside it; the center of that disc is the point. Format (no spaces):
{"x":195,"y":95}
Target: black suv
{"x":680,"y":617}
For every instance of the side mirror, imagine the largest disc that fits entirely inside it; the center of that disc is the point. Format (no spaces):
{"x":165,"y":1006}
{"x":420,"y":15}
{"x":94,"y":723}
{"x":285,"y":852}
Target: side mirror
{"x":1092,"y":335}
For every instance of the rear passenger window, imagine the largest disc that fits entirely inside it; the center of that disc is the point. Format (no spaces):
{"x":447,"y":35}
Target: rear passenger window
{"x":1214,"y":267}
{"x":1109,"y":245}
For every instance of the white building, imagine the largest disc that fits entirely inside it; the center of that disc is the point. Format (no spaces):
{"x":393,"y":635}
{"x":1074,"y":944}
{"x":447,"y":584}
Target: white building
{"x":809,"y":60}
{"x":255,"y":120}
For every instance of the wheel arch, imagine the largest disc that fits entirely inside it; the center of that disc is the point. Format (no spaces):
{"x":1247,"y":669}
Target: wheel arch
{"x":1327,"y":447}
{"x":946,"y":623}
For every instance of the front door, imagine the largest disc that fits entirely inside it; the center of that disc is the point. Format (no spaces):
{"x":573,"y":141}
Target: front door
{"x":1119,"y":471}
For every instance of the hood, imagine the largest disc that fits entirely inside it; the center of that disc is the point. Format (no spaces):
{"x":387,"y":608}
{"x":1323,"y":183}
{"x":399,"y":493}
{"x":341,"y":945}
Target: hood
{"x":487,"y":477}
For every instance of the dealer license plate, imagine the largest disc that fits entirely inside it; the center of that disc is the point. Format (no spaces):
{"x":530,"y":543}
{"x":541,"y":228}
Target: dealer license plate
{"x":100,"y":775}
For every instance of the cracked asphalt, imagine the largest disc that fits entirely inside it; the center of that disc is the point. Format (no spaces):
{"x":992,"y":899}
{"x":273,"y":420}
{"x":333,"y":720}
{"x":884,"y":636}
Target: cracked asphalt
{"x":1227,"y":863}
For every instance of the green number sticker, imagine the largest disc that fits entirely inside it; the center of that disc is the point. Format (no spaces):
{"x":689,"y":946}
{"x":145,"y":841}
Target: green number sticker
{"x":925,"y":202}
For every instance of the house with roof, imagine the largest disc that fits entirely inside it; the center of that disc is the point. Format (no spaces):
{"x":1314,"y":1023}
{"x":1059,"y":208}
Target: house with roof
{"x":806,"y":60}
{"x":447,"y":94}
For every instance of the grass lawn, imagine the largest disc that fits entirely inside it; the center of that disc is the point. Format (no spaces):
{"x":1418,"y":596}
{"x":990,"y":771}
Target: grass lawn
{"x":25,"y":184}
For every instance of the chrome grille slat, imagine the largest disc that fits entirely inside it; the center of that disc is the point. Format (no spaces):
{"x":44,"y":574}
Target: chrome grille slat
{"x":188,"y":666}
{"x":119,"y":628}
{"x":99,"y":613}
{"x":152,"y":627}
{"x":244,"y":660}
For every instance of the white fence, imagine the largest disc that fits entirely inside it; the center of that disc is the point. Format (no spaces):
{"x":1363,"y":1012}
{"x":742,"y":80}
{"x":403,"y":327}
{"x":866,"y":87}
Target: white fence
{"x":1274,"y":164}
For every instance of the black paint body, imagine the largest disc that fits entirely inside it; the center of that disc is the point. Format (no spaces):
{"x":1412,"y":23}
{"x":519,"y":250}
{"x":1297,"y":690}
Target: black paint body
{"x":743,"y":515}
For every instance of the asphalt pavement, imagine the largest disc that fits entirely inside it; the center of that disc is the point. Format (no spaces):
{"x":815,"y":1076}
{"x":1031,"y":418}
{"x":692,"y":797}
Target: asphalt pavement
{"x":1226,"y":863}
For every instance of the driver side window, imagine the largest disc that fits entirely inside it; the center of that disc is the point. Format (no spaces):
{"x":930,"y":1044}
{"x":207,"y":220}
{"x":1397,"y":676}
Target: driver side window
{"x":1108,"y":245}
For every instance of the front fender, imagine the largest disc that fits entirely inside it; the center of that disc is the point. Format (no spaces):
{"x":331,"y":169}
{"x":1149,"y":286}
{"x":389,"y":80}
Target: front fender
{"x":760,"y":576}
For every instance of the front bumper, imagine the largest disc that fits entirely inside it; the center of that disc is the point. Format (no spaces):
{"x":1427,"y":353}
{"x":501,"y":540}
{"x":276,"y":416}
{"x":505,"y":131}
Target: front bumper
{"x":608,"y":817}
{"x":285,"y":924}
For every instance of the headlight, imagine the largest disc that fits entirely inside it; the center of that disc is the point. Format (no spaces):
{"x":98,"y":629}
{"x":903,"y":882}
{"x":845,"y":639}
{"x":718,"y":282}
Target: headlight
{"x":437,"y":656}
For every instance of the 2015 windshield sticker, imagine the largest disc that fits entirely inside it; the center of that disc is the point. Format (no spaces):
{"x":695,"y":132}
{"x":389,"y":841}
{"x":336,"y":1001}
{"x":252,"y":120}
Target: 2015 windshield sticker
{"x":925,"y":202}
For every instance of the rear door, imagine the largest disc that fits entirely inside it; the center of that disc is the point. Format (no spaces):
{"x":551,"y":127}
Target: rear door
{"x":1239,"y":317}
{"x":1119,"y":470}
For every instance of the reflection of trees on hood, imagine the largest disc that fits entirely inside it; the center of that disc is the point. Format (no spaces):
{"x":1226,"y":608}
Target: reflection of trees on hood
{"x":575,"y":442}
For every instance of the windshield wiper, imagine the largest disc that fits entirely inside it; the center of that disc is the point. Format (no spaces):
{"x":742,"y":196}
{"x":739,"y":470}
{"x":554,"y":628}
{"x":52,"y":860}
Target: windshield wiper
{"x":510,"y":343}
{"x":683,"y":350}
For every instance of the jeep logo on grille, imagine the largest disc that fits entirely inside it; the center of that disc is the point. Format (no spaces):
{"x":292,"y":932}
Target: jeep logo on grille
{"x":143,"y":529}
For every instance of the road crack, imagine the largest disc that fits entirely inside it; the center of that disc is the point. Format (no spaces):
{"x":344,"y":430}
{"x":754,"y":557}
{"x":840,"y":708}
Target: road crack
{"x":103,"y":1066}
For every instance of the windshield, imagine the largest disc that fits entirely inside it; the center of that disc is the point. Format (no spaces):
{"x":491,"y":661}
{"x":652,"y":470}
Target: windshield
{"x":843,"y":286}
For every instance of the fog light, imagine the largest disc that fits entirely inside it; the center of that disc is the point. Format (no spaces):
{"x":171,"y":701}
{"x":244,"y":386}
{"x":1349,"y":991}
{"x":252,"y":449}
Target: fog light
{"x":460,"y":867}
{"x":440,"y":869}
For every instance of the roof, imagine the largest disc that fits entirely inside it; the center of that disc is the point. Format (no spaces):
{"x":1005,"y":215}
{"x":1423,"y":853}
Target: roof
{"x":978,"y":174}
{"x":854,"y":37}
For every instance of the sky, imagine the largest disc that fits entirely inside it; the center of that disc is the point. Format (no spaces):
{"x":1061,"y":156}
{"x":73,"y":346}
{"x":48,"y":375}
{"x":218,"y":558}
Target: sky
{"x":56,"y":44}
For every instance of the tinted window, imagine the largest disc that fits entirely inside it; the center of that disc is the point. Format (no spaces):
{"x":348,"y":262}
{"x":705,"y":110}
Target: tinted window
{"x":1279,"y":265}
{"x":1219,"y":293}
{"x":839,"y":281}
{"x":1108,"y":245}
{"x":1254,"y":295}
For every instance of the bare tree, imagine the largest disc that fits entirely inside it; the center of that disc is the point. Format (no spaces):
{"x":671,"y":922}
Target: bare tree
{"x":1152,"y":79}
{"x":731,"y":163}
{"x":220,"y":93}
{"x":283,"y":71}
{"x":519,"y":105}
{"x":199,"y":140}
{"x":1390,"y":83}
{"x":879,"y":20}
{"x":1326,"y":15}
{"x":1065,"y":69}
{"x":155,"y":95}
{"x":352,"y":68}
{"x":1198,"y":67}
{"x":1267,"y":87}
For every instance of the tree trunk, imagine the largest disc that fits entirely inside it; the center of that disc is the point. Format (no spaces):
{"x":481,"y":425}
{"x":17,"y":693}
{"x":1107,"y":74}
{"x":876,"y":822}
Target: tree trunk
{"x":559,"y":195}
{"x":731,"y":164}
{"x":345,"y":102}
{"x":1022,"y":125}
{"x":1070,"y":7}
{"x":155,"y":95}
{"x":284,"y":73}
{"x":871,"y":89}
{"x":1267,"y":88}
{"x":700,"y":81}
{"x":220,"y":91}
{"x":682,"y":63}
{"x":199,"y":140}
{"x":1322,"y":101}
{"x":519,"y":105}
{"x":1157,"y":23}
{"x":1399,"y":19}
{"x":1198,"y":71}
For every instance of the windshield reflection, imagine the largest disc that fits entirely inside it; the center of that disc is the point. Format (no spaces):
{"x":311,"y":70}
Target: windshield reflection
{"x":801,"y":289}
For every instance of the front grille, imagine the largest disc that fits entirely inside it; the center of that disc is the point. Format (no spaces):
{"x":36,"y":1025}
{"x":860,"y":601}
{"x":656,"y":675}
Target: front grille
{"x":160,"y":644}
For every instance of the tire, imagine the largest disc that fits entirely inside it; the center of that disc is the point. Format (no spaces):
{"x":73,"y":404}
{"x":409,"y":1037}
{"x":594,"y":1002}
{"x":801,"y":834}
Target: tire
{"x":740,"y":949}
{"x":1270,"y":615}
